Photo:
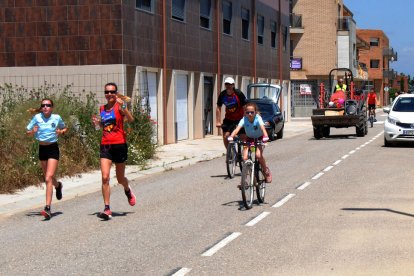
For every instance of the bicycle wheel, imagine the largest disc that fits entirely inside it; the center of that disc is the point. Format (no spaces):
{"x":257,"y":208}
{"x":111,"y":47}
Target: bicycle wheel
{"x":260,"y":184}
{"x":371,"y":120}
{"x":231,"y":159}
{"x":247,"y":187}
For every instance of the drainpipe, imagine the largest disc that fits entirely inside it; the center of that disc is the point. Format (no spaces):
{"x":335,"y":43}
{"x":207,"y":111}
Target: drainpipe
{"x":279,"y":23}
{"x":218,"y":46}
{"x":254,"y":41}
{"x":164,"y":68}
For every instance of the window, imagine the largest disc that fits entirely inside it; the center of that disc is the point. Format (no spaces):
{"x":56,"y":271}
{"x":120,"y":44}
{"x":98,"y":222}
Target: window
{"x":178,"y":9}
{"x":145,"y":5}
{"x":260,"y":29}
{"x":374,"y":63}
{"x":285,"y":35}
{"x":227,"y":14}
{"x":374,"y":41}
{"x":273,"y":34}
{"x":245,"y":17}
{"x":205,"y":8}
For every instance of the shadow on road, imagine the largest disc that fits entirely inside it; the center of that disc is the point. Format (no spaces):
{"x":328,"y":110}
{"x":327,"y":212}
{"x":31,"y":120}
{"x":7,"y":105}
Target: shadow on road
{"x":378,"y":209}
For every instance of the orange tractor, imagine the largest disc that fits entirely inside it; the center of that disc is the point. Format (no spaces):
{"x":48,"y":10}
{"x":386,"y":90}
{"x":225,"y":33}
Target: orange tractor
{"x":340,"y":106}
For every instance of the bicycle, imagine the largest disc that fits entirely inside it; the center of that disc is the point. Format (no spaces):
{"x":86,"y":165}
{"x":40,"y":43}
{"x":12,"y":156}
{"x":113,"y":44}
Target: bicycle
{"x":371,"y":117}
{"x":233,"y":156}
{"x":252,"y":177}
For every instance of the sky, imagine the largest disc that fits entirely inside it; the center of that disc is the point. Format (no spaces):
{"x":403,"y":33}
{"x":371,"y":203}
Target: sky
{"x":395,"y":18}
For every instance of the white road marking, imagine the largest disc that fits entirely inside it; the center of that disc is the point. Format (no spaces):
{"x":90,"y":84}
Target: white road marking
{"x":327,"y":169}
{"x":283,"y":200}
{"x":352,"y":152}
{"x":358,"y":148}
{"x":317,"y":176}
{"x":345,"y":156}
{"x":221,"y":244}
{"x":337,"y":162}
{"x":182,"y":271}
{"x":304,"y":185}
{"x":258,"y":218}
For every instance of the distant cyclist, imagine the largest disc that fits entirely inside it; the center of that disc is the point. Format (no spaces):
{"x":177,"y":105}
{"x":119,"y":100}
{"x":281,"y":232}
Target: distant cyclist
{"x":234,"y":100}
{"x":372,"y":102}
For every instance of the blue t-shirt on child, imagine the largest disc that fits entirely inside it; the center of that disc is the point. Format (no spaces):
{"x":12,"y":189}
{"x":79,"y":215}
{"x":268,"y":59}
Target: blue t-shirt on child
{"x":253,"y":129}
{"x":47,"y":127}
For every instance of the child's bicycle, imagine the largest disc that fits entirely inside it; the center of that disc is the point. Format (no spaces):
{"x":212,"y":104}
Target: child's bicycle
{"x":233,"y":156}
{"x":252,"y":176}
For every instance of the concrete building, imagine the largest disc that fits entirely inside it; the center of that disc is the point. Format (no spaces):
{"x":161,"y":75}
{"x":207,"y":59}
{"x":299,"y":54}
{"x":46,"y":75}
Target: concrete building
{"x":323,"y":37}
{"x":378,"y":58}
{"x":174,"y":53}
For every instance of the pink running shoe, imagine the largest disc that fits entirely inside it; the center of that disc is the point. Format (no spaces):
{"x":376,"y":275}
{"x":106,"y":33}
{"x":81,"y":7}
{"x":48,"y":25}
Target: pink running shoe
{"x":106,"y":214}
{"x":131,"y":197}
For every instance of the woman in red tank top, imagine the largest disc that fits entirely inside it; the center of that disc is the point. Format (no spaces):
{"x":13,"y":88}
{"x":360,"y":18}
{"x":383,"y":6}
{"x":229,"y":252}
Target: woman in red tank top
{"x":113,"y":145}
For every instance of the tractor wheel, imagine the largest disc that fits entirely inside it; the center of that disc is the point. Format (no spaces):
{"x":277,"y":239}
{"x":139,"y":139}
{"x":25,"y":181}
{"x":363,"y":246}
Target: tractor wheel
{"x":360,"y":127}
{"x":326,"y":131}
{"x":317,"y":132}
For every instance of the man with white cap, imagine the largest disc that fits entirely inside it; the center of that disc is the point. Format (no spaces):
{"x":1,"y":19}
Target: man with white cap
{"x":234,"y":100}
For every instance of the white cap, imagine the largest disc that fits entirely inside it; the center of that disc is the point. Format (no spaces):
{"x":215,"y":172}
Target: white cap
{"x":229,"y":80}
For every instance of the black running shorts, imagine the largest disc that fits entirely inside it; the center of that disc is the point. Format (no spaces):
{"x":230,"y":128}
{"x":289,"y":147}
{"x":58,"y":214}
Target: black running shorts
{"x":49,"y":152}
{"x":118,"y":153}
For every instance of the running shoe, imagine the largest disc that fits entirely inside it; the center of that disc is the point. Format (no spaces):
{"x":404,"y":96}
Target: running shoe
{"x":46,"y":213}
{"x":106,"y":214}
{"x":59,"y":191}
{"x":131,"y":197}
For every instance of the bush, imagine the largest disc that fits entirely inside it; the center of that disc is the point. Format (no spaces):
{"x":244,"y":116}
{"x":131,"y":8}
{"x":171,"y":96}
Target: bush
{"x":79,"y":148}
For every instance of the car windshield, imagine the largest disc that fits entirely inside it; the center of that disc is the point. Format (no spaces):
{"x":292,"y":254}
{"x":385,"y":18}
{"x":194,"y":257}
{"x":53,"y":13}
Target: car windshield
{"x":404,"y":105}
{"x":265,"y":109}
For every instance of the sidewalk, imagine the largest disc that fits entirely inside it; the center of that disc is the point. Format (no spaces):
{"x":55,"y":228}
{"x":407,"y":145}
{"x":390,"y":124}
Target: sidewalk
{"x":172,"y":156}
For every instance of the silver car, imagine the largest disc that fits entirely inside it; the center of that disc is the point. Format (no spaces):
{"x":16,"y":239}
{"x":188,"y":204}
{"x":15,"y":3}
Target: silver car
{"x":399,"y":126}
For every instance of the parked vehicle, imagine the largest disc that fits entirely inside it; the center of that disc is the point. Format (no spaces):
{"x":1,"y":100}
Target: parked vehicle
{"x":266,"y":96}
{"x":272,"y":117}
{"x":399,"y":126}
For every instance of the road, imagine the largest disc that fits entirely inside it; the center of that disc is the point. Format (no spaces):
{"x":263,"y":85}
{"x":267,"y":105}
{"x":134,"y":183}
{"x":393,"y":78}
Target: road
{"x":341,"y":205}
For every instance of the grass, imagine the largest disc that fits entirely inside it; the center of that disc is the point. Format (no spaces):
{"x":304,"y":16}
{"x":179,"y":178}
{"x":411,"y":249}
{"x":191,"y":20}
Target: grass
{"x":79,"y":149}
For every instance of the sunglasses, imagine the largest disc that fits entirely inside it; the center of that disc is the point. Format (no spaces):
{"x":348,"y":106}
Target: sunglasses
{"x":110,"y":92}
{"x":47,"y":105}
{"x":228,"y":83}
{"x":249,"y":112}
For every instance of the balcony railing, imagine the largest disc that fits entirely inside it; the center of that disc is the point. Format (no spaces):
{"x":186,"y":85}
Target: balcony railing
{"x":296,"y":20}
{"x":389,"y":74}
{"x":344,"y":23}
{"x":390,"y":53}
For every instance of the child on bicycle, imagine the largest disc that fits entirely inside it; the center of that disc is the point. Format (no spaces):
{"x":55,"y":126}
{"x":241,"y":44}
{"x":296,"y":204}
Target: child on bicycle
{"x":254,"y":127}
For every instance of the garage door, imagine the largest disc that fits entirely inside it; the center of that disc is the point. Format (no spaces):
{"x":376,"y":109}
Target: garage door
{"x":181,"y":107}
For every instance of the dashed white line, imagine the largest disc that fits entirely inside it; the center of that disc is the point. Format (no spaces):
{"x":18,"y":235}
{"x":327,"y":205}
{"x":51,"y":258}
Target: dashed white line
{"x":283,"y":200}
{"x":327,"y":169}
{"x":318,"y":175}
{"x":337,"y":162}
{"x":257,"y":219}
{"x":304,"y":185}
{"x":352,"y":152}
{"x":182,"y":271}
{"x":358,"y":148}
{"x":221,"y":244}
{"x":345,"y":156}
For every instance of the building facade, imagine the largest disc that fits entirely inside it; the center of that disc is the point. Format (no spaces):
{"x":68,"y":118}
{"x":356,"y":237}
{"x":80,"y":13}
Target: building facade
{"x":378,"y":58}
{"x":323,"y":37}
{"x":174,"y":53}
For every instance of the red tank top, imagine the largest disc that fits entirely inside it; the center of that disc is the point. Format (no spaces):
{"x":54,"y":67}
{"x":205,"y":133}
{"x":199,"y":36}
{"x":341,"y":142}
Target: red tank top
{"x":113,"y":126}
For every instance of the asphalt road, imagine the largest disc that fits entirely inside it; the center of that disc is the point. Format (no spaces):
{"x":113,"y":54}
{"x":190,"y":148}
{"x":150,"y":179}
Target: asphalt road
{"x":341,"y":205}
